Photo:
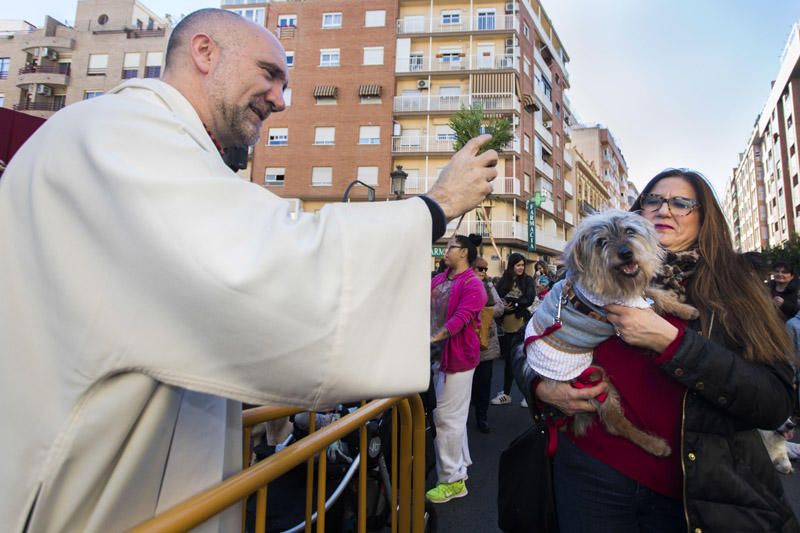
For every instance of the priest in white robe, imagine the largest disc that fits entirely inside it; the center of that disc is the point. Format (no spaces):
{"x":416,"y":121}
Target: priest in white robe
{"x":147,"y":290}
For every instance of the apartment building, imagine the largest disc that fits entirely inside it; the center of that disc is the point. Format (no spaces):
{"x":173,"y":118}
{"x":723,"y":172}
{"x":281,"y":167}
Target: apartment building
{"x":592,"y":194}
{"x":745,"y":199}
{"x":44,"y":69}
{"x":597,"y":145}
{"x":373,"y":87}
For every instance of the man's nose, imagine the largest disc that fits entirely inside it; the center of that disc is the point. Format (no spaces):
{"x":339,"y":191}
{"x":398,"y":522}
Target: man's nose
{"x":275,"y":98}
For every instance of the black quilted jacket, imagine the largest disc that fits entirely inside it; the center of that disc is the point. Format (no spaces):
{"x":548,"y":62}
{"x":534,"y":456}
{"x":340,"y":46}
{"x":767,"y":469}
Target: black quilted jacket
{"x":730,"y":483}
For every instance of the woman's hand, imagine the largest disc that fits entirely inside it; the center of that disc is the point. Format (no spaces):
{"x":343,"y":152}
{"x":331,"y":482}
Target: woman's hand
{"x":567,"y":399}
{"x":778,"y":300}
{"x":641,"y":327}
{"x":509,"y":306}
{"x":441,"y":335}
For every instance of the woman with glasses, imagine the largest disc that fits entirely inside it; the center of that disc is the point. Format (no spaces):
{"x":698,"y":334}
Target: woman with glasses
{"x":704,"y":386}
{"x":457,"y":297}
{"x":783,"y":288}
{"x":482,"y":379}
{"x":518,"y":292}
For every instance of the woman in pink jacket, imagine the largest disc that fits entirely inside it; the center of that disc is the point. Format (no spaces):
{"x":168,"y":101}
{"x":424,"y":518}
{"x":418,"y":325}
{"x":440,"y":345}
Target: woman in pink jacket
{"x":457,"y":297}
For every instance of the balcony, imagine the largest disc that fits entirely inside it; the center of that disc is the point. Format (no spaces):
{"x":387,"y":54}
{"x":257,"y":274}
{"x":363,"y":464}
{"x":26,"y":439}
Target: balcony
{"x":439,"y":102}
{"x":425,"y":25}
{"x":545,"y":240}
{"x":45,"y":74}
{"x":544,"y":134}
{"x":537,"y":57}
{"x":405,"y":144}
{"x":568,"y":160}
{"x":544,"y":99}
{"x":37,"y":39}
{"x":569,"y":218}
{"x":424,"y":64}
{"x":506,"y":186}
{"x":548,"y":206}
{"x":40,"y":109}
{"x":567,"y":132}
{"x":544,"y":167}
{"x":499,"y":229}
{"x":568,"y":190}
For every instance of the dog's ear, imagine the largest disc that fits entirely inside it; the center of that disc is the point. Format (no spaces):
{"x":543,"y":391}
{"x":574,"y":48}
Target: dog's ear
{"x":571,"y":256}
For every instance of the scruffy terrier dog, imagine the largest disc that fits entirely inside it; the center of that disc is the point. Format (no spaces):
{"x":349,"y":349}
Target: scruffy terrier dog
{"x":612,"y":258}
{"x":781,"y":451}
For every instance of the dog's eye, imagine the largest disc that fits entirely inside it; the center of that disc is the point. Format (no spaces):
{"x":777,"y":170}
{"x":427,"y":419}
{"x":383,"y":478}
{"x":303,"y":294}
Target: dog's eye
{"x":630,"y":231}
{"x":600,"y":243}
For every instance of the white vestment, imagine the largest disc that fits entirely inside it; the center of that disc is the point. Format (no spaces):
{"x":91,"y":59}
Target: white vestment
{"x":146,"y":290}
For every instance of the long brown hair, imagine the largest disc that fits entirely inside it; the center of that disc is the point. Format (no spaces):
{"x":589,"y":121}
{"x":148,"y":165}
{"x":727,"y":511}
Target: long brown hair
{"x":725,"y":284}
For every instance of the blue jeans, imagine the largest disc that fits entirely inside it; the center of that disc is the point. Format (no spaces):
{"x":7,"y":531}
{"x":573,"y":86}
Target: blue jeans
{"x":592,"y":496}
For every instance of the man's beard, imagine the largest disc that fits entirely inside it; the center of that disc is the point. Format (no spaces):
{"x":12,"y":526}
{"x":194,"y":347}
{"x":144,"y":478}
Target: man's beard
{"x":238,"y":123}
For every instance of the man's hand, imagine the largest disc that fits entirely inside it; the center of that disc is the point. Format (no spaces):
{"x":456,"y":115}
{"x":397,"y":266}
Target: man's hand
{"x":567,"y":399}
{"x":466,"y":180}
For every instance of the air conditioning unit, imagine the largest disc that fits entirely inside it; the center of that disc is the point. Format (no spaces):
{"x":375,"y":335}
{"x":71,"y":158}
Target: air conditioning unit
{"x":44,"y":90}
{"x":510,"y":42}
{"x":548,"y":123}
{"x":52,"y":54}
{"x":510,"y":7}
{"x":423,"y":84}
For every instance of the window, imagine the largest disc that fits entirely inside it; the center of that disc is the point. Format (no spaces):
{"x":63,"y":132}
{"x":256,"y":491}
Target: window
{"x":375,"y":19}
{"x":254,"y":14}
{"x":275,"y":176}
{"x":2,"y":99}
{"x":285,"y":21}
{"x":416,"y":62}
{"x":373,"y":55}
{"x":369,"y":135}
{"x":98,"y":63}
{"x":368,"y":175}
{"x":486,"y":19}
{"x":451,"y":17}
{"x":278,"y":137}
{"x":88,"y":95}
{"x":526,"y":142}
{"x":557,"y":140}
{"x":558,"y":172}
{"x":287,"y":96}
{"x":526,"y":66}
{"x":290,"y":59}
{"x":331,"y":20}
{"x":152,"y":68}
{"x":444,"y":133}
{"x":525,"y":30}
{"x":322,"y":176}
{"x":4,"y":64}
{"x":130,"y":66}
{"x":450,"y":55}
{"x":329,"y":57}
{"x":325,"y":135}
{"x":527,"y":180}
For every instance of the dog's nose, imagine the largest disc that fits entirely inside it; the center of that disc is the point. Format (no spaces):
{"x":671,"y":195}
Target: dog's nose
{"x":625,"y":253}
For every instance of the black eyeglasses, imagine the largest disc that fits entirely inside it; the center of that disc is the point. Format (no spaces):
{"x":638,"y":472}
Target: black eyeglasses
{"x":481,"y":269}
{"x":678,"y":205}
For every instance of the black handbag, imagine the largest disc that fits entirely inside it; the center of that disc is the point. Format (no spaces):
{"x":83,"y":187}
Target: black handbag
{"x":525,"y":499}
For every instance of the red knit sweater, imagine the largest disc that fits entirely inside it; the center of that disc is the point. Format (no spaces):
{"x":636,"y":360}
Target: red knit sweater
{"x":652,"y":400}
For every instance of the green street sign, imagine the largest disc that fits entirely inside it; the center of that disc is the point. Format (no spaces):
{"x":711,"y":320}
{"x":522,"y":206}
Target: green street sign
{"x":438,"y":251}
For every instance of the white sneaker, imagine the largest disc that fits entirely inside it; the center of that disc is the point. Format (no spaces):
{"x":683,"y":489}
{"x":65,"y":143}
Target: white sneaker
{"x":501,"y":399}
{"x":523,"y":403}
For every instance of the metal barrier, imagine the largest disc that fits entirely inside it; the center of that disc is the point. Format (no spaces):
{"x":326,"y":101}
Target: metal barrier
{"x":407,"y":470}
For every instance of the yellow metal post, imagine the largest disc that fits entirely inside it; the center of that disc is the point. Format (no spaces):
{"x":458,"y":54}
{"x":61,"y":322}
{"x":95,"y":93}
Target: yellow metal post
{"x":405,"y":467}
{"x":418,"y":464}
{"x":312,"y":425}
{"x":261,"y":510}
{"x":395,"y":473}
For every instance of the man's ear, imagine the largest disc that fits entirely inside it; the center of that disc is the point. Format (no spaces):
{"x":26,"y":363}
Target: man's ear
{"x":203,"y":49}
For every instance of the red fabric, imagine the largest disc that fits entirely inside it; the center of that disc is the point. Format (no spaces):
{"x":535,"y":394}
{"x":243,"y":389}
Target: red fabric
{"x":545,"y":333}
{"x":15,"y":128}
{"x":652,"y":400}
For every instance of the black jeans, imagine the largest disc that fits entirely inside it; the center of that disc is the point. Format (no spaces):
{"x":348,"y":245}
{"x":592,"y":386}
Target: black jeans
{"x":508,"y":342}
{"x":482,"y":390}
{"x":592,"y":496}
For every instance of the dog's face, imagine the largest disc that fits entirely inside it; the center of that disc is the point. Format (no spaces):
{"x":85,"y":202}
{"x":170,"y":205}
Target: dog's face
{"x":614,"y":253}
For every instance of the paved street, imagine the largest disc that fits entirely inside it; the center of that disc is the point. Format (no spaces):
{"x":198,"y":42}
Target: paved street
{"x":478,"y":511}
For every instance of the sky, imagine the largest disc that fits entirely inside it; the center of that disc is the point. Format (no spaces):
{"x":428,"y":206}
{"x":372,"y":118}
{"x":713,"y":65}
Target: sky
{"x":680,"y":83}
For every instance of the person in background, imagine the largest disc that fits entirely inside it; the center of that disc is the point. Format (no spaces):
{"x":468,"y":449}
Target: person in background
{"x":457,"y":297}
{"x":783,"y":288}
{"x":518,"y":292}
{"x":482,"y":379}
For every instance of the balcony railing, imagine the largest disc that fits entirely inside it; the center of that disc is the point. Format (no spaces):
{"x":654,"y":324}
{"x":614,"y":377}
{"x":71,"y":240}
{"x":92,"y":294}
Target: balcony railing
{"x":568,"y":190}
{"x":499,"y":229}
{"x":567,"y":130}
{"x":62,"y":68}
{"x":500,"y":185}
{"x":550,"y":241}
{"x":538,"y":91}
{"x":568,"y":160}
{"x":424,"y":143}
{"x":548,"y":206}
{"x":569,"y":218}
{"x":544,"y":133}
{"x":39,"y":106}
{"x":477,"y":24}
{"x":451,"y":64}
{"x":440,"y":102}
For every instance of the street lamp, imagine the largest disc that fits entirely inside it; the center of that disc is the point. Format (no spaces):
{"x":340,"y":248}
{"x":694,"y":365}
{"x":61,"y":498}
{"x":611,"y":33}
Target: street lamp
{"x":398,"y":181}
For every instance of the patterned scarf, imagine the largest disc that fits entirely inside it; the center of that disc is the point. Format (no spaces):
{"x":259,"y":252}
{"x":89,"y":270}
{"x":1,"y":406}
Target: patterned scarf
{"x":678,"y":267}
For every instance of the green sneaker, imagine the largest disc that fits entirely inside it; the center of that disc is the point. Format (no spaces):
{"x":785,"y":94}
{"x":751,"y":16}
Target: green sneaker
{"x":444,"y":492}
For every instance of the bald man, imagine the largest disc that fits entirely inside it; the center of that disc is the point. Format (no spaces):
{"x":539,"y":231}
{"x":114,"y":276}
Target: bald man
{"x":147,"y":290}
